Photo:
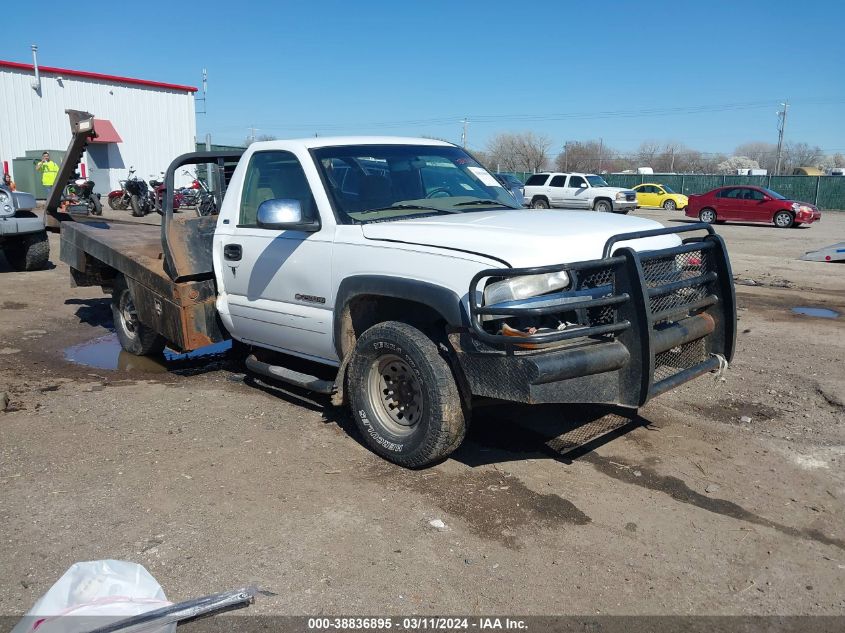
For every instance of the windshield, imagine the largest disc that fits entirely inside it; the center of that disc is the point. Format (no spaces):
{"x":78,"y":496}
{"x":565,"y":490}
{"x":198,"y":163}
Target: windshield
{"x":668,"y":189}
{"x":597,"y":181}
{"x":774,"y":194}
{"x":371,"y":183}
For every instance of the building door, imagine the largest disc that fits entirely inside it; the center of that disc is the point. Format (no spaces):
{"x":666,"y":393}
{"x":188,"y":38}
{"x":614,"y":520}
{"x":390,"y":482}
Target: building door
{"x":98,"y":167}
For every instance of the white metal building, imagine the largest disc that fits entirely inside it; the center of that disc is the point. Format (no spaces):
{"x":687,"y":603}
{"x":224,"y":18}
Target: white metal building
{"x":147,"y":123}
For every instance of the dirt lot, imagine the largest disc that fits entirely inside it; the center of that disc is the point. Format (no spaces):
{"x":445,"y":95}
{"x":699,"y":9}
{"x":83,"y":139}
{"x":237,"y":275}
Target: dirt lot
{"x":212,"y":482}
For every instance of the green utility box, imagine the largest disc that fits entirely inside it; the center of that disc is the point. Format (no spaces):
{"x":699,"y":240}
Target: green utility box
{"x":25,"y":176}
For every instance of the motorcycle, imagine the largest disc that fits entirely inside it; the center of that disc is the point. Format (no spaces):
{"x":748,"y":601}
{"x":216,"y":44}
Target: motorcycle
{"x":159,"y":190}
{"x":198,"y":195}
{"x":81,"y":191}
{"x":119,"y":198}
{"x":140,"y":198}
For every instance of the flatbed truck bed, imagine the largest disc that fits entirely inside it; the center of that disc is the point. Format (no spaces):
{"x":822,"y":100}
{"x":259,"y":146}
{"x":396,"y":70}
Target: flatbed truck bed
{"x":184,"y":312}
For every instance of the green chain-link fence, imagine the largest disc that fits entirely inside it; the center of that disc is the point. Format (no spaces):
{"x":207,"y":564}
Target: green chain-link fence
{"x":826,"y":192}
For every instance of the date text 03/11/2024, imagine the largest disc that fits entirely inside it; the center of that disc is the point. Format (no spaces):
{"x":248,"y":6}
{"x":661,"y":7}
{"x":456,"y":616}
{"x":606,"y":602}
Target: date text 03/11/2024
{"x":416,"y":623}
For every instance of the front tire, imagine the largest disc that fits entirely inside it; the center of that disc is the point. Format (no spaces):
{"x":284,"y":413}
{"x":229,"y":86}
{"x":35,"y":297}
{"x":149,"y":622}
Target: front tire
{"x":404,"y":397}
{"x":708,"y":216}
{"x":539,"y":203}
{"x":784,"y":219}
{"x":137,"y":206}
{"x":96,"y":205}
{"x":670,"y":205}
{"x":603,"y":206}
{"x":29,"y":252}
{"x":114,"y":203}
{"x":135,"y":337}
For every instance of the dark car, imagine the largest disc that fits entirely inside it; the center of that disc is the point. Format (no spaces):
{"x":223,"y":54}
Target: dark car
{"x":514,"y":185}
{"x":745,"y":203}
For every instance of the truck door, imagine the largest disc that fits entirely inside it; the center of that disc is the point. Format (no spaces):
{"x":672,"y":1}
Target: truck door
{"x":278,"y":282}
{"x":556,"y":191}
{"x":578,"y":193}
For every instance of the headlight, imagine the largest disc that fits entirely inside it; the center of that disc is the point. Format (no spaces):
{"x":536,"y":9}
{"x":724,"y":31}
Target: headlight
{"x":4,"y":197}
{"x":798,"y":208}
{"x":620,"y":195}
{"x":524,"y":287}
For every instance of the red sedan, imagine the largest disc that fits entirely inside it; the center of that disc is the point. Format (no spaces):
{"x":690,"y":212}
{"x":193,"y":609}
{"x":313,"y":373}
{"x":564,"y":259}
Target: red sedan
{"x":750,"y":204}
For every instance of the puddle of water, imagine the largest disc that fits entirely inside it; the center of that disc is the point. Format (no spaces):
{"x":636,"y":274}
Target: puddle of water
{"x":106,"y":353}
{"x":822,"y":313}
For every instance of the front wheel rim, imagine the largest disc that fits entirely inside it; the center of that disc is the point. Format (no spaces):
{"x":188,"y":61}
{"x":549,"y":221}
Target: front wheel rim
{"x":670,"y":206}
{"x":395,"y":394}
{"x":128,"y":315}
{"x":783,"y":220}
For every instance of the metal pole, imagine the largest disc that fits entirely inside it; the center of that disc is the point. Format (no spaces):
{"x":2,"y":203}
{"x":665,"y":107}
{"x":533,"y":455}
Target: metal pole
{"x":818,"y":182}
{"x":601,"y":147}
{"x":781,"y":128}
{"x":464,"y":132}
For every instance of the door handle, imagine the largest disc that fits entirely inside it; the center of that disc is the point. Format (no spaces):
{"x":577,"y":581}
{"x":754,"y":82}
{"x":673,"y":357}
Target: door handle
{"x":232,"y":252}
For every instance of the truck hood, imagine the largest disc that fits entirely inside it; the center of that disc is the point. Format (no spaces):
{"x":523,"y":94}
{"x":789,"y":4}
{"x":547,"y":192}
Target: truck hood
{"x":611,"y":191}
{"x":521,"y":237}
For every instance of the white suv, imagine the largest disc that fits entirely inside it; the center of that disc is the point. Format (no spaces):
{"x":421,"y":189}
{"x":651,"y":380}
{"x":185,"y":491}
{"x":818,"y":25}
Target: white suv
{"x":577,"y":191}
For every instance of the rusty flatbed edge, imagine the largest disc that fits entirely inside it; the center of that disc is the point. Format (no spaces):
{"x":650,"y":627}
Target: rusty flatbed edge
{"x":183,"y":312}
{"x":132,"y":249}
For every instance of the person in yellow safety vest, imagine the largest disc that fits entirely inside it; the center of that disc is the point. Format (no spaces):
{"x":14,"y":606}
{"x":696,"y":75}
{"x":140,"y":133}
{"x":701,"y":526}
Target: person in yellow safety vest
{"x":48,"y":170}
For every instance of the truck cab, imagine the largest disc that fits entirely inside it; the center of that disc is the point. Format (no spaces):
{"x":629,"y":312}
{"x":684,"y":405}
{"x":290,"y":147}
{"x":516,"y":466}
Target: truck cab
{"x":402,"y":279}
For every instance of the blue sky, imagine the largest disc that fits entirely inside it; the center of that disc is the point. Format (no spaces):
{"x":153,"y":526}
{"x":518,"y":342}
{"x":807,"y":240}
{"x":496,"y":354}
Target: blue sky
{"x":709,"y":74}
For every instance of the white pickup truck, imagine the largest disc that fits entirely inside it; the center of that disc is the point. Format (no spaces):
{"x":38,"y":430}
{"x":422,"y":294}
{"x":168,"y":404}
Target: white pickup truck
{"x":577,"y":191}
{"x":398,"y":276}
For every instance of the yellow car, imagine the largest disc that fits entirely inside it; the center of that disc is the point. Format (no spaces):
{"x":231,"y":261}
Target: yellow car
{"x":653,"y":195}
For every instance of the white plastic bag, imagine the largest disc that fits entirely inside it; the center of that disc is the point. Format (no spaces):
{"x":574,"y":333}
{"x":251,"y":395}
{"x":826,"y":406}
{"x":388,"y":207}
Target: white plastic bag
{"x":93,"y":594}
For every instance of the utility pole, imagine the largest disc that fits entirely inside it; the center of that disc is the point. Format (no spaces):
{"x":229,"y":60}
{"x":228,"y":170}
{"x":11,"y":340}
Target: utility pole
{"x":781,"y":127}
{"x":566,"y":156}
{"x":601,"y":148}
{"x":252,"y":130}
{"x":465,"y":121}
{"x":672,"y":164}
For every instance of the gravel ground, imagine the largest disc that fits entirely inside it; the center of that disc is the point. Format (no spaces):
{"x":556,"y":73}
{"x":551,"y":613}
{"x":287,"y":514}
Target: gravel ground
{"x":722,"y":497}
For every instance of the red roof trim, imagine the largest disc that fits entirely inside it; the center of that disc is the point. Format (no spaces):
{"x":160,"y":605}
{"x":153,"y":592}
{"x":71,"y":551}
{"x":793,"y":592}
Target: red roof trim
{"x":87,"y":75}
{"x":105,"y":132}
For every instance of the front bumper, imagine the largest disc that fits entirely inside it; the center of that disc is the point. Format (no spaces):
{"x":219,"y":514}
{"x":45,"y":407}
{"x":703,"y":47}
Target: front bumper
{"x":21,"y":225}
{"x":624,"y":205}
{"x":646,"y":323}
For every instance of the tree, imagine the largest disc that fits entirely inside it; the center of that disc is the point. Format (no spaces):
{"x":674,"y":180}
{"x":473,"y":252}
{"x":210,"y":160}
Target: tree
{"x":838,"y":160}
{"x":764,"y":153}
{"x":733,"y":163}
{"x":647,"y":153}
{"x":587,"y":156}
{"x":800,"y":155}
{"x":524,"y":151}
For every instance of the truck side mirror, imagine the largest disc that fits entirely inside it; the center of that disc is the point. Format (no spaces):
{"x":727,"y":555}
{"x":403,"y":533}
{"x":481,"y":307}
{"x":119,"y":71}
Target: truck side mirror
{"x":284,"y":214}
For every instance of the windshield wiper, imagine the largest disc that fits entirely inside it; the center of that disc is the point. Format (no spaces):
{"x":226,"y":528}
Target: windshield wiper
{"x":471,"y":202}
{"x":408,"y":206}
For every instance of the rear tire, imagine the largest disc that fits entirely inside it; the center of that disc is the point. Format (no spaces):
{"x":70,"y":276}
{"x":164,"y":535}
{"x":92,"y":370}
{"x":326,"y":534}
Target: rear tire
{"x":670,"y":205}
{"x":784,"y":220}
{"x":708,"y":216}
{"x":137,"y":206}
{"x":603,"y":206}
{"x":28,"y":252}
{"x":539,"y":203}
{"x":404,"y":397}
{"x":115,"y":204}
{"x":135,"y":337}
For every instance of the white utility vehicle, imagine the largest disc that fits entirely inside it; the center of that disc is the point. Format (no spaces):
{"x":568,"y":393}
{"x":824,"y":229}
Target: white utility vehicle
{"x":398,"y":276}
{"x":577,"y":191}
